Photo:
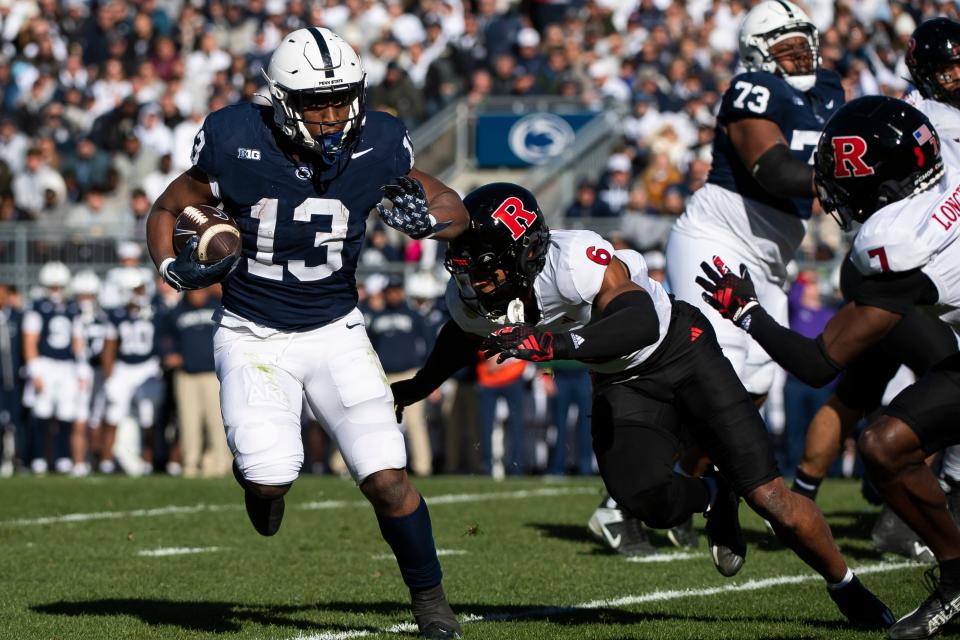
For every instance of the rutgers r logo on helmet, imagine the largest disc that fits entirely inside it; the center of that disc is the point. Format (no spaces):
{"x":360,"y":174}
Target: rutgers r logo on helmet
{"x":848,"y":154}
{"x":514,"y":216}
{"x":873,"y":152}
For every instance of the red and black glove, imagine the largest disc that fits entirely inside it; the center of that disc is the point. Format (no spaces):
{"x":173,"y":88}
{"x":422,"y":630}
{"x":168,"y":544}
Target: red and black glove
{"x":733,"y":296}
{"x":520,"y":341}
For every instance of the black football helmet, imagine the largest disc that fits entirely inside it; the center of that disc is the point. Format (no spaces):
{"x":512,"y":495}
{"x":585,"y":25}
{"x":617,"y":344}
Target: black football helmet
{"x":874,"y":151}
{"x":933,"y":48}
{"x":506,"y":232}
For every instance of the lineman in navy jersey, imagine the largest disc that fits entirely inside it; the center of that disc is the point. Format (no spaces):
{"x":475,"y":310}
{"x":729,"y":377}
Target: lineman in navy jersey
{"x":53,"y":351}
{"x":522,"y":291}
{"x":760,"y":188}
{"x":300,"y":180}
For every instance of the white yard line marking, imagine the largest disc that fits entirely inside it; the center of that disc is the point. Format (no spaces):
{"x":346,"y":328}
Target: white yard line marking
{"x":452,"y":498}
{"x":666,"y":557}
{"x":440,"y":552}
{"x":175,"y":551}
{"x":623,"y":601}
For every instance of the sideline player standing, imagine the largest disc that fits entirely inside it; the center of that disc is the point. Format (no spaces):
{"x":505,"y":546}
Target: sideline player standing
{"x":300,"y":179}
{"x":879,"y":164}
{"x":656,"y":363}
{"x":53,"y":352}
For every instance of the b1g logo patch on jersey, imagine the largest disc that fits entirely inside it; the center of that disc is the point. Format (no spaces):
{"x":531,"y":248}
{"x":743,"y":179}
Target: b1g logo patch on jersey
{"x":248,"y":154}
{"x":848,"y":152}
{"x":512,"y":214}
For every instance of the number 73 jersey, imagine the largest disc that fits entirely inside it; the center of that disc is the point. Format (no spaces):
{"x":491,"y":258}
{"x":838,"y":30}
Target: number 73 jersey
{"x":301,"y":223}
{"x":800,"y":116}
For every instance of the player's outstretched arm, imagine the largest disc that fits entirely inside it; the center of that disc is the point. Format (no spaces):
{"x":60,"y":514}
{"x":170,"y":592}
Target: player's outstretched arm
{"x":628,"y":322}
{"x":762,"y":148}
{"x":423,"y":207}
{"x":444,"y":204}
{"x":816,"y":362}
{"x":453,"y":350}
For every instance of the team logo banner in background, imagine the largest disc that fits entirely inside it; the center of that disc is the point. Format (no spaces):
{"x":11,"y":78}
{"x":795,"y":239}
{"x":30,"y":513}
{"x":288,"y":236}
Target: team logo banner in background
{"x":511,"y":140}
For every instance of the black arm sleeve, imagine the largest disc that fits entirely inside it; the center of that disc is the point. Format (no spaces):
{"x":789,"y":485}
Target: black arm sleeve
{"x":628,"y":323}
{"x":806,"y":359}
{"x":782,"y":175}
{"x":453,"y":350}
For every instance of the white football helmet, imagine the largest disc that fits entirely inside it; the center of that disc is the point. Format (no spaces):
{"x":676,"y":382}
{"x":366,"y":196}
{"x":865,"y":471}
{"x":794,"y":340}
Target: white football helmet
{"x":771,"y":22}
{"x":85,"y":283}
{"x":54,"y":275}
{"x":132,"y":285}
{"x":315,"y":61}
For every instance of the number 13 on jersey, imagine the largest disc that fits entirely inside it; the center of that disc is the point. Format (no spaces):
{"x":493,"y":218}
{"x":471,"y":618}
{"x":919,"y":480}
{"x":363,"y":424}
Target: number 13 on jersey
{"x":270,"y":261}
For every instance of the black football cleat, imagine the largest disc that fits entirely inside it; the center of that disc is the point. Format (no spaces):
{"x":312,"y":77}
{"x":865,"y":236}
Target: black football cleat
{"x":433,"y":614}
{"x":265,"y":515}
{"x":728,"y":549}
{"x":684,"y":536}
{"x":932,"y":614}
{"x":890,"y":534}
{"x":861,"y":607}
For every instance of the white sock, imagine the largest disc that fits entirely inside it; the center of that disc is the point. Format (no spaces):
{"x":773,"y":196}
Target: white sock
{"x":847,"y":579}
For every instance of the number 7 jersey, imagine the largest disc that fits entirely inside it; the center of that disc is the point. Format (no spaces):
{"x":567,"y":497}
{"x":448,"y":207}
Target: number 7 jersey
{"x":301,"y":223}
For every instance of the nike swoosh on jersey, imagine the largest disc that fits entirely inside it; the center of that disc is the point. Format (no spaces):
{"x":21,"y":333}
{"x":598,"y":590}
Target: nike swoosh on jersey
{"x":353,"y":326}
{"x":361,"y":153}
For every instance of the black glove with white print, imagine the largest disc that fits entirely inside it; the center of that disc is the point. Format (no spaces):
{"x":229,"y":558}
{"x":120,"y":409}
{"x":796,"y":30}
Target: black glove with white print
{"x":410,"y":214}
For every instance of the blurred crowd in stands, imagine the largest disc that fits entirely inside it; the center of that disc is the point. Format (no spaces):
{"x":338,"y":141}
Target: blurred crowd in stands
{"x":100,"y":102}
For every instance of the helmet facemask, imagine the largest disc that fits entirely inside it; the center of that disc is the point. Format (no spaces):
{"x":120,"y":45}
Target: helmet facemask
{"x":505,"y":277}
{"x":336,"y":136}
{"x":806,"y":57}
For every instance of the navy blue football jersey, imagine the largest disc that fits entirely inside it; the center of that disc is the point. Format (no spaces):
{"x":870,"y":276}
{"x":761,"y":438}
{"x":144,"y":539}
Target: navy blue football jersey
{"x":302,"y":223}
{"x":136,"y":332}
{"x":96,"y":328}
{"x":799,"y":115}
{"x":54,"y":321}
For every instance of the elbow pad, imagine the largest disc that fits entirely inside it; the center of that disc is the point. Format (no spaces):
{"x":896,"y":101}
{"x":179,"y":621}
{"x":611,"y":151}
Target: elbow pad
{"x":781,"y":174}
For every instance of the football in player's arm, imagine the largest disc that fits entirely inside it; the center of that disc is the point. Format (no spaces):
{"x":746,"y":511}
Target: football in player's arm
{"x":300,"y":177}
{"x":879,"y":163}
{"x":422,"y":207}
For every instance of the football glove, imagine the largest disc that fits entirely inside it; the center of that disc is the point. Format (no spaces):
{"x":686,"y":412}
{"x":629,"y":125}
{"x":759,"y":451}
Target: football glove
{"x":733,"y":296}
{"x":185,"y":272}
{"x":405,"y":393}
{"x":410,"y":214}
{"x":519,"y":341}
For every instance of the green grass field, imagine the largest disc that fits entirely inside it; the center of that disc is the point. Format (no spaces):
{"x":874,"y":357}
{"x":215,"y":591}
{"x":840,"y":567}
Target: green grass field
{"x":518,"y":561}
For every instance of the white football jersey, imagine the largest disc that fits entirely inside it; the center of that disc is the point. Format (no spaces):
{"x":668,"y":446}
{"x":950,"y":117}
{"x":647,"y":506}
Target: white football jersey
{"x":566,"y":289}
{"x":919,"y":232}
{"x":946,"y":120}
